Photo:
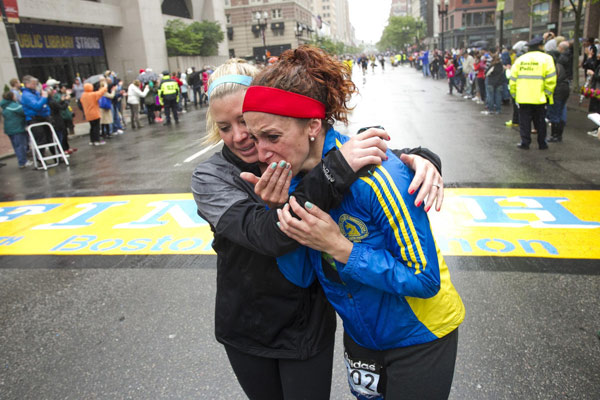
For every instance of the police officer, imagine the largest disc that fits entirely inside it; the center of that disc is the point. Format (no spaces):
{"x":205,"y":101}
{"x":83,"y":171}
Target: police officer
{"x":532,"y":83}
{"x":168,"y":94}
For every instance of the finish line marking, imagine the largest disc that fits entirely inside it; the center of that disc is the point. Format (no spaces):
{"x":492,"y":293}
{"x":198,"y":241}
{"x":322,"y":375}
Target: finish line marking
{"x":473,"y":222}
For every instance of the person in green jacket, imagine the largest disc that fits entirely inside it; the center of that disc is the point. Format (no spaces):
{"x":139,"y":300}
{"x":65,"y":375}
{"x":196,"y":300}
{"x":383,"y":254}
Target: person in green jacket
{"x":14,"y":127}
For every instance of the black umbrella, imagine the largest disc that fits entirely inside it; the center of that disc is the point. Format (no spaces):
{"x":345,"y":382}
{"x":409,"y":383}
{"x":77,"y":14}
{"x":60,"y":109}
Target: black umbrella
{"x":480,"y":43}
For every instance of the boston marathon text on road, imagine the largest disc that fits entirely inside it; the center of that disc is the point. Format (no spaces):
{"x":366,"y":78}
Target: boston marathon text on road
{"x":502,"y":222}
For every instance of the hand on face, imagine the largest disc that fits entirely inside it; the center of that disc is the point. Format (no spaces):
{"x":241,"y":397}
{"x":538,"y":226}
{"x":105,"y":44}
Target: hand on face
{"x":315,"y":229}
{"x":273,"y":185}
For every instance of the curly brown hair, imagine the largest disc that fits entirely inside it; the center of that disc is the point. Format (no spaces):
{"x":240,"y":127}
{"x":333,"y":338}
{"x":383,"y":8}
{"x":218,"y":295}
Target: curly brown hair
{"x":312,"y":72}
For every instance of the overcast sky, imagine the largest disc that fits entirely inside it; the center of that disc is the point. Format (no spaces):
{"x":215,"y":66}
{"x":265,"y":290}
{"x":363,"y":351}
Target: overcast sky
{"x":369,"y":17}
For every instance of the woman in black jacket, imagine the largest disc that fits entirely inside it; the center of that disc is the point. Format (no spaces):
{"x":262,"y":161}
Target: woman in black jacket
{"x":496,"y":79}
{"x":557,"y":112}
{"x":279,"y":337}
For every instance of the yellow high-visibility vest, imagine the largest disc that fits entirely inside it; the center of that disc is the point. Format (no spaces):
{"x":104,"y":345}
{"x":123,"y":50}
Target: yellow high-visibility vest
{"x":168,"y":89}
{"x":533,"y":78}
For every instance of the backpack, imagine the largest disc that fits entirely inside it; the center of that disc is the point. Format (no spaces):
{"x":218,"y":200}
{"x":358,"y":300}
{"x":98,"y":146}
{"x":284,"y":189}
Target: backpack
{"x":105,"y":103}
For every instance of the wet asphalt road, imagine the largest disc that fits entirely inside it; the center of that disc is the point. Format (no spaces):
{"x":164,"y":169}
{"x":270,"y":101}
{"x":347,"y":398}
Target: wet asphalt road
{"x":141,"y":327}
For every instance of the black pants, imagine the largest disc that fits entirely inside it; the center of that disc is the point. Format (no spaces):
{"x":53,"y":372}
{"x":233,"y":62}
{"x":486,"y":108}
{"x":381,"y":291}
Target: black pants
{"x":150,"y":114}
{"x":95,"y":130}
{"x":184,"y":99}
{"x":171,"y":106}
{"x":515,"y":117}
{"x":535,"y":113}
{"x":423,"y":371}
{"x":481,"y":86}
{"x":105,"y":130}
{"x":278,"y":379}
{"x":64,"y":139}
{"x":41,"y":134}
{"x":197,"y":94}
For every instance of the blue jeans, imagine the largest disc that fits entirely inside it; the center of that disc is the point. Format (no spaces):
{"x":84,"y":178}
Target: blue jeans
{"x":505,"y":92}
{"x":495,"y":96}
{"x":489,"y":95}
{"x":197,"y":94}
{"x":19,"y":144}
{"x":116,"y":118}
{"x":557,"y":112}
{"x":426,"y":70}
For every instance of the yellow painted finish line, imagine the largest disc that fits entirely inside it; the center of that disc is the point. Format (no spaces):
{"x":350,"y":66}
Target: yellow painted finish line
{"x":477,"y":222}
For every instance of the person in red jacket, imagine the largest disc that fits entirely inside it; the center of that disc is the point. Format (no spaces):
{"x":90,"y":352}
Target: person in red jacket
{"x":479,"y":68}
{"x":91,"y":108}
{"x":450,"y":72}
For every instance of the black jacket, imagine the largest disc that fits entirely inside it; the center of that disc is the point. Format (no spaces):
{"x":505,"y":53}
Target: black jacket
{"x":257,"y":310}
{"x":566,"y":60}
{"x":496,"y":77}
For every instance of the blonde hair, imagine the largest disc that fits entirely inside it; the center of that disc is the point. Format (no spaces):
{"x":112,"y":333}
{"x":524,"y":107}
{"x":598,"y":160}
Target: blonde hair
{"x":234,"y":66}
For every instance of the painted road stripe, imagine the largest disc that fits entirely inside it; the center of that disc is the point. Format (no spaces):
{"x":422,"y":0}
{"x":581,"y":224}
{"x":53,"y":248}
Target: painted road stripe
{"x":473,"y":222}
{"x":198,"y":154}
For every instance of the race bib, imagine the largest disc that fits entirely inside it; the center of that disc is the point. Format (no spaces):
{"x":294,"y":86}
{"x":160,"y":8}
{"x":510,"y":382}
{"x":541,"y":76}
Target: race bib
{"x":363,"y":377}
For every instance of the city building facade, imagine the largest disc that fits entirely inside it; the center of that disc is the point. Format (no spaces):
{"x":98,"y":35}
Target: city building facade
{"x":63,"y":38}
{"x":399,"y":8}
{"x":336,"y":14}
{"x":467,"y":23}
{"x":258,"y":29}
{"x":523,"y":20}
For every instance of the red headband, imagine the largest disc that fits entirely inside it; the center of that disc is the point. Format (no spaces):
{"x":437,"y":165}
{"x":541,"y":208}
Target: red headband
{"x":281,"y":102}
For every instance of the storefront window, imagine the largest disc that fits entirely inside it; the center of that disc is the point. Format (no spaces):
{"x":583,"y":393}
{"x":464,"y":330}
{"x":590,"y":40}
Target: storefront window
{"x":567,"y":11}
{"x":508,"y":20}
{"x":541,"y":13}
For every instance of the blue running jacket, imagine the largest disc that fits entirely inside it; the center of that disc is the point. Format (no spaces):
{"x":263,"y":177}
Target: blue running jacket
{"x":395,"y":290}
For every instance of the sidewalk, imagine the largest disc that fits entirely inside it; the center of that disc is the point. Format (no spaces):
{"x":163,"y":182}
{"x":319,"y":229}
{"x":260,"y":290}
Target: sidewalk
{"x":82,"y":127}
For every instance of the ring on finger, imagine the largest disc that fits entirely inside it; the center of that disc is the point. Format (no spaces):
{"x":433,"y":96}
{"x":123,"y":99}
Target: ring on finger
{"x":437,"y":185}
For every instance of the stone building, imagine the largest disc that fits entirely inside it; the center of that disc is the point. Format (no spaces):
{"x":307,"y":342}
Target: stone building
{"x":258,"y":29}
{"x":61,"y":38}
{"x":523,"y":19}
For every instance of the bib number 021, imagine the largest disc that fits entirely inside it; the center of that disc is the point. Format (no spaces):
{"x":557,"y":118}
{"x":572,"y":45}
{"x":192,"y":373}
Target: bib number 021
{"x":363,"y":377}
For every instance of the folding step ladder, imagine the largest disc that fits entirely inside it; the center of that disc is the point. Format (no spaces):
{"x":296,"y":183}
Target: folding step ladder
{"x":37,"y":154}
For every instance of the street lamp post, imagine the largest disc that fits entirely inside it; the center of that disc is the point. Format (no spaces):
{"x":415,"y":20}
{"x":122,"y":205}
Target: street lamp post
{"x":418,"y":26}
{"x":442,"y":12}
{"x":405,"y":30}
{"x":261,"y":21}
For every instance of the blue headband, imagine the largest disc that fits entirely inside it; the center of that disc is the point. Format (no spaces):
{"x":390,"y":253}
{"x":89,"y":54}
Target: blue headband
{"x":240,"y":79}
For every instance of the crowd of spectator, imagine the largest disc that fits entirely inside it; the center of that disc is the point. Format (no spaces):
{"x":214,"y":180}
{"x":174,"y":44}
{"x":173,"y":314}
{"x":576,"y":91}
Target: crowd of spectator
{"x":483,"y":76}
{"x":479,"y":74}
{"x":102,"y":101}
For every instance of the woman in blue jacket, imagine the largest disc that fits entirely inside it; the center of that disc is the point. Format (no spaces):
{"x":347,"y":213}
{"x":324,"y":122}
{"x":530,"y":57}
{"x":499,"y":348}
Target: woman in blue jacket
{"x":14,"y":127}
{"x":374,"y":254}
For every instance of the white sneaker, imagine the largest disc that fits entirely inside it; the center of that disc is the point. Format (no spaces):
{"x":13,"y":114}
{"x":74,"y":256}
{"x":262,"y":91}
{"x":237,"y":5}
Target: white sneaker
{"x":486,"y":112}
{"x":593,"y":133}
{"x":91,"y":143}
{"x":474,"y":98}
{"x":120,"y":131}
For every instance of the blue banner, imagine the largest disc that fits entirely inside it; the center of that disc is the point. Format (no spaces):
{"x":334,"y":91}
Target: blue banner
{"x":58,"y":41}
